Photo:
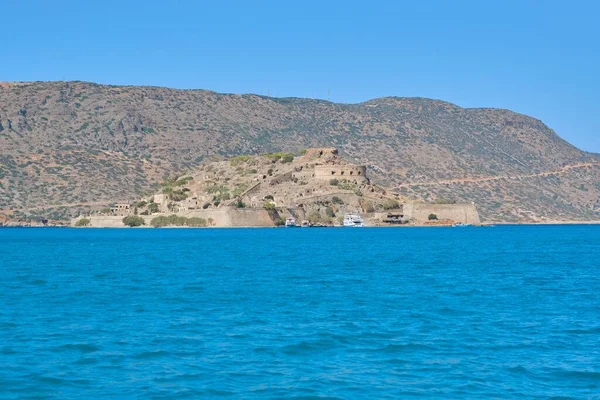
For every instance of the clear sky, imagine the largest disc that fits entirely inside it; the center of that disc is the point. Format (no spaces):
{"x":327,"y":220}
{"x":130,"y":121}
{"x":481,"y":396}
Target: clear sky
{"x":540,"y":58}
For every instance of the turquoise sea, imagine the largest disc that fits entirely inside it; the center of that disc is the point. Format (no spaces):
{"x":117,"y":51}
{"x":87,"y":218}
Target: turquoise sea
{"x":372,"y":313}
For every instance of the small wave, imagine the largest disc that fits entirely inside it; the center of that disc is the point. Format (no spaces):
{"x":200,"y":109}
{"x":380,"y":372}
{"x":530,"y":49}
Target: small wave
{"x":308,"y":347}
{"x":593,"y":376}
{"x":591,"y":331}
{"x":85,"y":361}
{"x":401,"y":348}
{"x":152,"y":354}
{"x":81,"y":347}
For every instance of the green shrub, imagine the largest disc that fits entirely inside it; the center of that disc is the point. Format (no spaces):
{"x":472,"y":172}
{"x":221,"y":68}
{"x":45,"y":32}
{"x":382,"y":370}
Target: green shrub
{"x":329,"y":212}
{"x":153,"y":208}
{"x":205,"y":206}
{"x":239,"y":190}
{"x":432,"y":217}
{"x":269,"y":197}
{"x":235,"y":161}
{"x":196,"y":221}
{"x":217,"y":189}
{"x":443,"y":200}
{"x":178,"y":195}
{"x":83,"y":222}
{"x":391,"y":204}
{"x":288,"y":158}
{"x":159,"y":221}
{"x":269,"y":206}
{"x":240,"y":204}
{"x":133,"y":220}
{"x":345,"y":185}
{"x":175,"y":220}
{"x":336,"y":200}
{"x":334,"y":182}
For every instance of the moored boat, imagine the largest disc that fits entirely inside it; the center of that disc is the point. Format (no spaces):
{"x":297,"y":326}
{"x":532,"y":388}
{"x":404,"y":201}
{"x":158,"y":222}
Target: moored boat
{"x":290,"y":222}
{"x":353,"y":220}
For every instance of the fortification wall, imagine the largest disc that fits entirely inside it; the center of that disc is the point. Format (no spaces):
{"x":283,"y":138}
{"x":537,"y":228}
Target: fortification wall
{"x":222,"y":217}
{"x":305,"y":175}
{"x":351,"y":172}
{"x":232,"y":217}
{"x":461,"y":213}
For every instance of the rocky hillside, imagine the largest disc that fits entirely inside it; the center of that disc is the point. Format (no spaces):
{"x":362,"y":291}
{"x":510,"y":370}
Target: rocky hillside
{"x":68,"y":146}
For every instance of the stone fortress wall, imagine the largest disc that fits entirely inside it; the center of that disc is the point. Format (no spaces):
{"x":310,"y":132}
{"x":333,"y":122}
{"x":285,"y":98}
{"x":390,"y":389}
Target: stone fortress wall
{"x":356,"y":173}
{"x":462,"y":213}
{"x":222,"y":217}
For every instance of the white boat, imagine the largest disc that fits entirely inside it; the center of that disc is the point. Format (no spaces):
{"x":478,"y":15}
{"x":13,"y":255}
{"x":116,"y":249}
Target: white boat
{"x":290,"y":222}
{"x":353,"y":220}
{"x":461,"y":225}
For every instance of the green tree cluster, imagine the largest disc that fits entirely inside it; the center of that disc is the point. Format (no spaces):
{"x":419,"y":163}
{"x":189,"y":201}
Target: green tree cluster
{"x":133,"y":221}
{"x":82,"y":222}
{"x":176,"y":220}
{"x":391,"y":204}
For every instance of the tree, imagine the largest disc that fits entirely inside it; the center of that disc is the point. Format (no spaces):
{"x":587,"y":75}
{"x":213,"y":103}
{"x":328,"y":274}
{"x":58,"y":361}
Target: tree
{"x":159,"y":221}
{"x":287,"y":158}
{"x":334,"y":182}
{"x":336,"y":200}
{"x":433,"y":217}
{"x":83,"y":222}
{"x":153,"y":208}
{"x":391,"y":204}
{"x":178,"y":195}
{"x":196,"y":221}
{"x":133,"y":220}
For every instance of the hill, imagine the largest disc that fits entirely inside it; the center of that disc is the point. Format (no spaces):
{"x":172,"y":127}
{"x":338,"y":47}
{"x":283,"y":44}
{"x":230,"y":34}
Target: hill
{"x":73,"y":146}
{"x":317,"y":188}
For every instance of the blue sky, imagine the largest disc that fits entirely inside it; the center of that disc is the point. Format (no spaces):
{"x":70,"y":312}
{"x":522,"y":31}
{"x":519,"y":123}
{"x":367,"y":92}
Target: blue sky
{"x":540,"y":58}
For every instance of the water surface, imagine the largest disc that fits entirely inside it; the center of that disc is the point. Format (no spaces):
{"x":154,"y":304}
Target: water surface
{"x":505,"y":312}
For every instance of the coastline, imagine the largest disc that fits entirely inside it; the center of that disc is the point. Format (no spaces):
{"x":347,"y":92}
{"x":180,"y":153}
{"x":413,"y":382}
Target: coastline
{"x":486,"y":224}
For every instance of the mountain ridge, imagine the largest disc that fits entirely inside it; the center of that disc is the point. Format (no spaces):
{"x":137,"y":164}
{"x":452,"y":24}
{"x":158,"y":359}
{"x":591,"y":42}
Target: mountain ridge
{"x":79,"y":142}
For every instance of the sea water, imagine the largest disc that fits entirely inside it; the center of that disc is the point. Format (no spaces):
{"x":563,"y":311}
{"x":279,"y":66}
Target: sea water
{"x":351,"y":313}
